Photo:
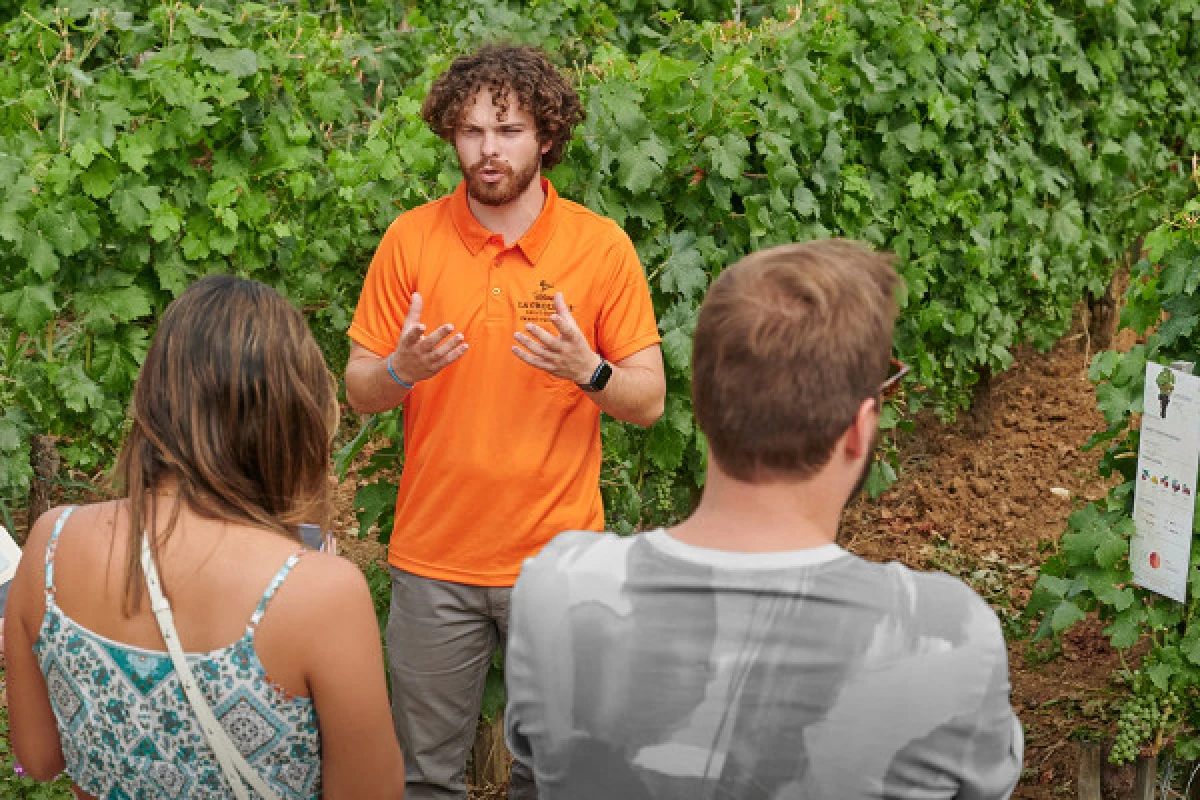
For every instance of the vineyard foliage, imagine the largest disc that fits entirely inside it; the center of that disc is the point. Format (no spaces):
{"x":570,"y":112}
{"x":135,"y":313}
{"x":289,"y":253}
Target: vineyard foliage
{"x":1091,"y":573}
{"x":1009,"y":153}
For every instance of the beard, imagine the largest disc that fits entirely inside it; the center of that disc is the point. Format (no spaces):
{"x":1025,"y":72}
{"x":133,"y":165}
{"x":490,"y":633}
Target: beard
{"x":504,"y":191}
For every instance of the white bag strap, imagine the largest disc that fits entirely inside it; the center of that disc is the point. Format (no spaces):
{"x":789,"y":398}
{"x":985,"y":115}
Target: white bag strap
{"x":232,"y":763}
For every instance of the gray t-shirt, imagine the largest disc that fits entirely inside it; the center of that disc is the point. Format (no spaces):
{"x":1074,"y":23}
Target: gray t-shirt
{"x":643,"y":667}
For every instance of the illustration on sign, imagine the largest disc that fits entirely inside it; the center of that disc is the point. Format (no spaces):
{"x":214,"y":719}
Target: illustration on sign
{"x":1166,"y":384}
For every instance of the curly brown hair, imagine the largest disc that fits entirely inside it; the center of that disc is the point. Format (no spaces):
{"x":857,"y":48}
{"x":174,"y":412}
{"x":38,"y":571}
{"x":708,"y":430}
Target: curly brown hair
{"x":539,"y":86}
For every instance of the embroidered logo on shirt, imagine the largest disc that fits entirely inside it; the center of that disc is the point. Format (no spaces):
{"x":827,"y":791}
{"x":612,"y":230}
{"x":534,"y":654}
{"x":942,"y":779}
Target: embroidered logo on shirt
{"x":540,"y":306}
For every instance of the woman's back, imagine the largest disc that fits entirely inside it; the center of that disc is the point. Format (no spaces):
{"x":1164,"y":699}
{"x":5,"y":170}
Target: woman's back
{"x":214,"y":573}
{"x":228,"y":450}
{"x":122,"y":716}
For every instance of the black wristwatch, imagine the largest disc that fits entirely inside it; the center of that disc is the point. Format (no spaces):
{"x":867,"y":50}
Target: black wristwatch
{"x":599,"y":378}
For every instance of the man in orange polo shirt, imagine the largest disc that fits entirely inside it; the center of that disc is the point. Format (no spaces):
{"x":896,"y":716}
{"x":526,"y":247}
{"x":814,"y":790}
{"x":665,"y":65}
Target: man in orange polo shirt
{"x":505,"y":319}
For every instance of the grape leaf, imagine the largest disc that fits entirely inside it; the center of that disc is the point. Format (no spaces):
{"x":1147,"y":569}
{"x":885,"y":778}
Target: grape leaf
{"x":29,"y":306}
{"x":237,"y":61}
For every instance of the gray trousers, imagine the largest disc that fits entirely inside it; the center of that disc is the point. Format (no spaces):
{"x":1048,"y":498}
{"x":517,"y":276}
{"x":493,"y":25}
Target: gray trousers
{"x":440,"y":640}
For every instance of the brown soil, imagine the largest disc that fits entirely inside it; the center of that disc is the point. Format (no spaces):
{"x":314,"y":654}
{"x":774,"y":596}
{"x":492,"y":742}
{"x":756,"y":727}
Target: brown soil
{"x":345,"y":523}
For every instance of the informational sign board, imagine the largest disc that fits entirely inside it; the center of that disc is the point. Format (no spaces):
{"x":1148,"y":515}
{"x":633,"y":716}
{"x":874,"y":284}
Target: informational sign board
{"x":1165,"y":496}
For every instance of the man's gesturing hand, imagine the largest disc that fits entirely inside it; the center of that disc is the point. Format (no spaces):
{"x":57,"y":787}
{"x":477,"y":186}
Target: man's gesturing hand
{"x":419,"y":356}
{"x":567,"y":356}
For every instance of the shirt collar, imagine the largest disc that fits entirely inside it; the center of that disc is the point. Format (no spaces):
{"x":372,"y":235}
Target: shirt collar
{"x":474,"y":236}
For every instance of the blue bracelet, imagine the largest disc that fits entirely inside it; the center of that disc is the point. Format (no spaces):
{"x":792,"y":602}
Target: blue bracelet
{"x":396,"y":377}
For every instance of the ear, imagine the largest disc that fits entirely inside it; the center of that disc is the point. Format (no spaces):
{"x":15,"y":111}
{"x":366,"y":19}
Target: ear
{"x":546,"y":147}
{"x":861,"y":432}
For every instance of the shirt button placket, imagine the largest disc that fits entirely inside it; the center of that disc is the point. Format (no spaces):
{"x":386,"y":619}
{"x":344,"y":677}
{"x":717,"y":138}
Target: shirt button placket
{"x":494,"y":292}
{"x":496,"y":276}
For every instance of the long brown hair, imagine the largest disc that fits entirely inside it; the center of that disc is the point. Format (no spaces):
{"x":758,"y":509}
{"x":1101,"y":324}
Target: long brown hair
{"x":235,"y":405}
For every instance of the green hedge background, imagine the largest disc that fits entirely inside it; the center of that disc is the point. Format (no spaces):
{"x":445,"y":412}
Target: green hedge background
{"x":1009,"y":153}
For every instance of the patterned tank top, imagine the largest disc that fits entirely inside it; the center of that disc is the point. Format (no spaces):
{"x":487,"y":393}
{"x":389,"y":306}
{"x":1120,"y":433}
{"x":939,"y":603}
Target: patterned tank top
{"x":127,"y":728}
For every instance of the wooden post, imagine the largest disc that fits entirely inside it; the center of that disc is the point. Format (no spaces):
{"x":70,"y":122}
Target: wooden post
{"x":979,"y":416}
{"x":44,"y":458}
{"x":490,"y":759}
{"x":1146,"y":780}
{"x":1090,"y":755}
{"x":1104,"y":312}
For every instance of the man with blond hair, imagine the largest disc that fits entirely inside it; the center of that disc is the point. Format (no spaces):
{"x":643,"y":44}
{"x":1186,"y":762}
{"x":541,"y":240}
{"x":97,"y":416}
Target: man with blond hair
{"x":744,"y":654}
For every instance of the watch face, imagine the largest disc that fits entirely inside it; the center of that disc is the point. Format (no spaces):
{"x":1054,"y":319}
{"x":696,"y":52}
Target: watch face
{"x":602,"y":376}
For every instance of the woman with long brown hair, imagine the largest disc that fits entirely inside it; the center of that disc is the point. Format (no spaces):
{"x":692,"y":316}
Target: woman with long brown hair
{"x":281,"y":692}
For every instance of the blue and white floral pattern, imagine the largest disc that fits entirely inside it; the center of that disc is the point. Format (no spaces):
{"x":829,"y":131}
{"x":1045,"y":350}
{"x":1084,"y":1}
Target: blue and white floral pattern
{"x":128,"y":730}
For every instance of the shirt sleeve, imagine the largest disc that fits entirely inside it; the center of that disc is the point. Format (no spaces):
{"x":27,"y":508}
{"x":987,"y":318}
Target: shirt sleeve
{"x":522,"y":711}
{"x":995,"y":749}
{"x":538,"y":666}
{"x":386,"y":293}
{"x":626,"y":322}
{"x":976,"y":739}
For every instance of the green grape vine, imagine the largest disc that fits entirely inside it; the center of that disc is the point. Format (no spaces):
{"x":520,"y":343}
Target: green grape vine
{"x":1091,"y":573}
{"x":1009,"y":154}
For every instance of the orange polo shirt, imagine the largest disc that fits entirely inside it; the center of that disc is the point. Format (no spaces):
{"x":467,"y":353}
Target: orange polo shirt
{"x":499,"y":456}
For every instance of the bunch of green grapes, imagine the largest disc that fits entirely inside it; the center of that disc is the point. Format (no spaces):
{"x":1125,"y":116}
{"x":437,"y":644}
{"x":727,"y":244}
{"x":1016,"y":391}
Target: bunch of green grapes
{"x":1142,"y":718}
{"x":662,"y":494}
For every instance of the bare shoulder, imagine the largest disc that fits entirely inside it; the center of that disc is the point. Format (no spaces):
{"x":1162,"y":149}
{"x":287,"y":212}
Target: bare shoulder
{"x":333,"y":572}
{"x":39,"y":534}
{"x":25,"y":598}
{"x":43,"y":527}
{"x":328,"y":584}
